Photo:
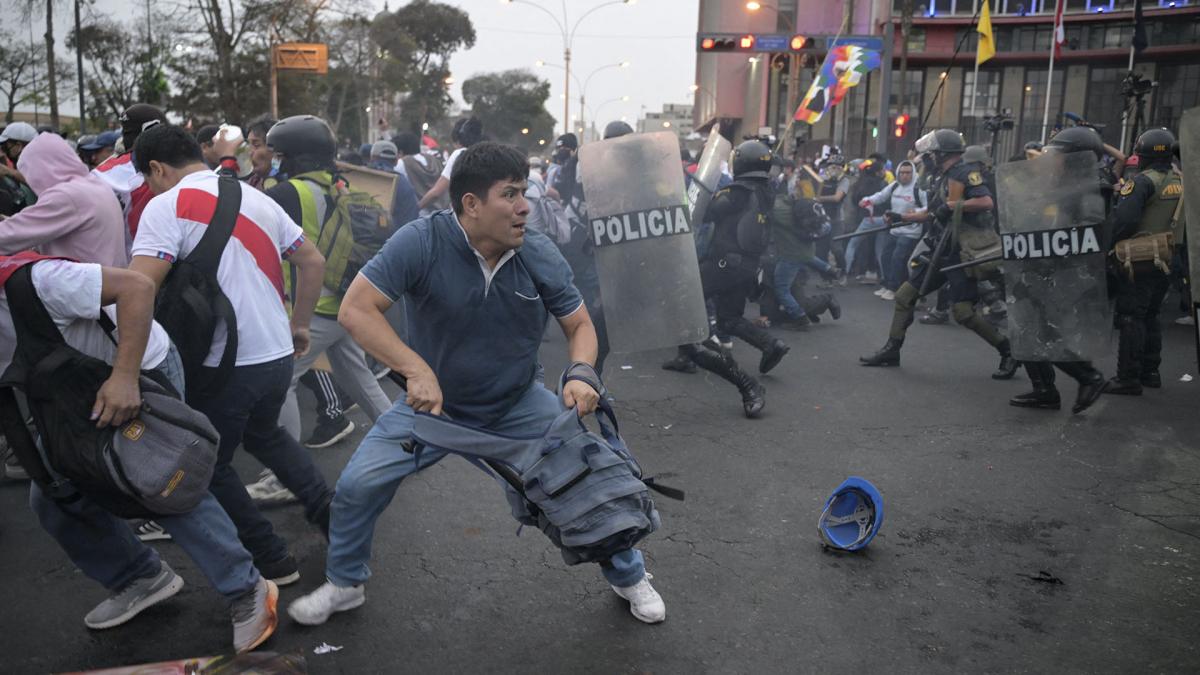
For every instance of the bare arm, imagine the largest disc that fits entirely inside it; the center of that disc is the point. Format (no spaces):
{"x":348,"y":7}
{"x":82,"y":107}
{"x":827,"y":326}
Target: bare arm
{"x":119,"y":399}
{"x":972,"y":205}
{"x":310,"y":271}
{"x":439,"y":188}
{"x":582,"y":346}
{"x":362,"y":315}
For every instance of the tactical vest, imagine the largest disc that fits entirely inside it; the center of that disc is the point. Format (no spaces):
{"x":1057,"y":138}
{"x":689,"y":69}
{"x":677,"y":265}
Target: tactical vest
{"x":976,"y":219}
{"x":1160,"y":210}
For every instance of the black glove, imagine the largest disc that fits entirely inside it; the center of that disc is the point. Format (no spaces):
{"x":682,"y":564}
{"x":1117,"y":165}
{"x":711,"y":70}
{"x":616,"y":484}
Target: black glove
{"x":892,"y":217}
{"x":944,"y":213}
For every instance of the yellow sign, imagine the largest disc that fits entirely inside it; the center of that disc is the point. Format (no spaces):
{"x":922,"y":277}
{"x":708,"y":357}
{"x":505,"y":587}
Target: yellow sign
{"x":302,"y":56}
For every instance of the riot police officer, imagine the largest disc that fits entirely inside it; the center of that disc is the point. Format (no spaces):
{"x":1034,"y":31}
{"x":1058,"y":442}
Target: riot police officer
{"x":729,"y":273}
{"x":956,"y":185}
{"x":1147,"y":206}
{"x":1041,"y":373}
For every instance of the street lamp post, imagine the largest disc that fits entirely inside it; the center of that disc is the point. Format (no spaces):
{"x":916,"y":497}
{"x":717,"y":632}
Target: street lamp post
{"x":568,"y":38}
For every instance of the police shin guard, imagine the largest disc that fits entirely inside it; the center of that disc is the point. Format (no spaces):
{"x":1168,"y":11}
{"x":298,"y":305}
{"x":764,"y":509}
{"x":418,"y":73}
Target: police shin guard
{"x":753,"y":393}
{"x":906,"y":307}
{"x":1044,"y":394}
{"x":773,"y":349}
{"x":1091,"y":383}
{"x":965,"y":316}
{"x":1128,"y":381}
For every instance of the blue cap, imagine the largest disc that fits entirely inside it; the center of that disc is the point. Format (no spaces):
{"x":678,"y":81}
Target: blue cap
{"x":853,"y":515}
{"x":107,"y":139}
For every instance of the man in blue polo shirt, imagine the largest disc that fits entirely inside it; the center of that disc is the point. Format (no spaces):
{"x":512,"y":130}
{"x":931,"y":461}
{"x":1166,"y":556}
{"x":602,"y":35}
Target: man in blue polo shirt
{"x":479,"y":290}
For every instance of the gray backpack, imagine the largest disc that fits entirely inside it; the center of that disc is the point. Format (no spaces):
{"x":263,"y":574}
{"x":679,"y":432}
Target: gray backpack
{"x":582,"y":489}
{"x":158,"y":464}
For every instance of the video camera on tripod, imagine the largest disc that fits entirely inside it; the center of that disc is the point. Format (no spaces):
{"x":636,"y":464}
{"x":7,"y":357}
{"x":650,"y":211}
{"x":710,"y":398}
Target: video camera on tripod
{"x":1136,"y":86}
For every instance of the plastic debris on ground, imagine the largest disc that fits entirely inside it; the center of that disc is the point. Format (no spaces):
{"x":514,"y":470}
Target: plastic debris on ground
{"x":325,"y":648}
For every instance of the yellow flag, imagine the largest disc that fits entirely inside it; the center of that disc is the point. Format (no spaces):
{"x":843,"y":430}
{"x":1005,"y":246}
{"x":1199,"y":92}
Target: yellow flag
{"x":987,"y":45}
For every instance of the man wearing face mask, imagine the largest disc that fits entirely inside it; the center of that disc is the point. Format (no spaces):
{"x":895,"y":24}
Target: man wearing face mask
{"x":960,"y":206}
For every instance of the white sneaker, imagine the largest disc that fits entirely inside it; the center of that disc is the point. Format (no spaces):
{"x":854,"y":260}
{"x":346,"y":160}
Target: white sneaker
{"x":644,"y":602}
{"x":315,"y":608}
{"x":887,"y":295}
{"x":1188,"y":320}
{"x":880,"y":291}
{"x":268,"y":490}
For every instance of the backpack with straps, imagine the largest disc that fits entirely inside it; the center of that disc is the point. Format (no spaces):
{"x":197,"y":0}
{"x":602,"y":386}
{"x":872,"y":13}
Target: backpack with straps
{"x":350,"y":233}
{"x":157,"y":464}
{"x":191,"y":303}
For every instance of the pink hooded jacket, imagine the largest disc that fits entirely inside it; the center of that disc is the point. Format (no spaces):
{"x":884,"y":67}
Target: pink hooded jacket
{"x":76,"y":214}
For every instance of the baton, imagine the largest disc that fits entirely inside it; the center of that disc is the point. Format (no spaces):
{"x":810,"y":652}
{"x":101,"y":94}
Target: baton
{"x":972,"y":263}
{"x":938,"y":252}
{"x":873,"y":230}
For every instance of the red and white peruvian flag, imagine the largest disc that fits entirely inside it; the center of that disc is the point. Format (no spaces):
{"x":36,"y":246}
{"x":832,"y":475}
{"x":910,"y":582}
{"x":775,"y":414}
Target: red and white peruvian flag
{"x":1060,"y":33}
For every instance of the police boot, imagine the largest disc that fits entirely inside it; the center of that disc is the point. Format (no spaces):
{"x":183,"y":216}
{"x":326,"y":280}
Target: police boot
{"x":682,"y":363}
{"x":1091,"y":383}
{"x":1044,"y":394}
{"x":1151,"y":379}
{"x":888,"y":356}
{"x":1008,"y":365}
{"x":753,"y":393}
{"x":1128,"y":381}
{"x":773,"y":349}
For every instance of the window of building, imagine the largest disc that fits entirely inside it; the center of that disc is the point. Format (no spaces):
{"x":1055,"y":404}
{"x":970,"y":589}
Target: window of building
{"x":1105,"y":104}
{"x":914,"y":92}
{"x":986,"y":100}
{"x":1033,"y":101}
{"x":1178,"y":90}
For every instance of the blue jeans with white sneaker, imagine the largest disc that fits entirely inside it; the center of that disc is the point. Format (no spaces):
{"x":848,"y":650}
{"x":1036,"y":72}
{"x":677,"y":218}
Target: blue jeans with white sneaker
{"x":380,"y":463}
{"x":105,"y":548}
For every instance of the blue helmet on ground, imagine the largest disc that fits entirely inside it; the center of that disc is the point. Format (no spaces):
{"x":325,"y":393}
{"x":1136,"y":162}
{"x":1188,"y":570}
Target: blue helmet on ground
{"x":853,"y":515}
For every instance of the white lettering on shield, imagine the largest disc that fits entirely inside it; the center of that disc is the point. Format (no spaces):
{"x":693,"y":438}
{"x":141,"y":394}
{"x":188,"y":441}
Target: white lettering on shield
{"x":648,"y":224}
{"x":1062,"y":243}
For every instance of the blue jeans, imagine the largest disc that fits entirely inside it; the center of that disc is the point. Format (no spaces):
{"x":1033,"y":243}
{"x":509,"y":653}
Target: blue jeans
{"x":246,"y":412}
{"x":894,"y":260}
{"x":106,"y":549}
{"x":786,"y":271}
{"x":869,"y":241}
{"x":374,"y":472}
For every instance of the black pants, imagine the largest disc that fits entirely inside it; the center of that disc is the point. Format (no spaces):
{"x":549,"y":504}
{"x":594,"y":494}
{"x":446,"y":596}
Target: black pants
{"x":1138,"y":304}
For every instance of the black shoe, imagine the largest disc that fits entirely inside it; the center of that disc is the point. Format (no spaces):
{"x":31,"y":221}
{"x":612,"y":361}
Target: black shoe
{"x":1123,"y":387}
{"x":1007,"y":368}
{"x":329,"y":431}
{"x":835,"y":308}
{"x":754,"y":397}
{"x":935,"y":318}
{"x":680,"y":364}
{"x":888,"y":356}
{"x":1045,"y":398}
{"x":282,"y":572}
{"x":1089,"y":393}
{"x":772,"y":355}
{"x":1152,"y":379}
{"x":814,"y":318}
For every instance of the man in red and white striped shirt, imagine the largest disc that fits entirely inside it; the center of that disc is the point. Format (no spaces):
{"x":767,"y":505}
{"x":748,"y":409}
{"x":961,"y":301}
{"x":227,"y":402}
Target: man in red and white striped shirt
{"x":118,"y":170}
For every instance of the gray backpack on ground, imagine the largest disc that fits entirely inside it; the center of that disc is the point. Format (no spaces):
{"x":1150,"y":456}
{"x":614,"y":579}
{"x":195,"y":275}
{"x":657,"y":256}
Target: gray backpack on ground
{"x":582,"y":489}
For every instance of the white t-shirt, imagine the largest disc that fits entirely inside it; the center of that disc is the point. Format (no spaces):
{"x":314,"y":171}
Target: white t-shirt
{"x":450,"y":163}
{"x":70,"y":292}
{"x":250,"y":272}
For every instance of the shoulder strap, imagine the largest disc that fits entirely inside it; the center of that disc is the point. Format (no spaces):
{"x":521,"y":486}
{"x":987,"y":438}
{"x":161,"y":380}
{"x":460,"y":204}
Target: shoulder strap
{"x":207,"y":254}
{"x":37,"y":334}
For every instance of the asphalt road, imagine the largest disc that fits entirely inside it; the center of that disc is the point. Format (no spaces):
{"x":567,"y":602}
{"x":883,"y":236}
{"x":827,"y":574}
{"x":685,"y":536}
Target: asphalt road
{"x":980,"y":497}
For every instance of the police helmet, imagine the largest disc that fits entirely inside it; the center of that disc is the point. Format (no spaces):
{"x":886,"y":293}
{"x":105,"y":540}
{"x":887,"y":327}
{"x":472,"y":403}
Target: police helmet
{"x":852,"y":516}
{"x":941,"y":141}
{"x":977,"y":154}
{"x":1155,"y":145}
{"x":302,"y":135}
{"x":752,"y":159}
{"x":617,"y":129}
{"x":1077,"y":139}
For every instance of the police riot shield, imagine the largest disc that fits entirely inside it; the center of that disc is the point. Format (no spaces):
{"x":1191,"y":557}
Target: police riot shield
{"x":708,"y":173}
{"x":641,"y":233}
{"x":1189,"y":145}
{"x":1051,"y":212}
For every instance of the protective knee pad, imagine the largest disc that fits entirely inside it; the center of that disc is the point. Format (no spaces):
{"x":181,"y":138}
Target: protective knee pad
{"x":906,"y":297}
{"x":962,"y":312}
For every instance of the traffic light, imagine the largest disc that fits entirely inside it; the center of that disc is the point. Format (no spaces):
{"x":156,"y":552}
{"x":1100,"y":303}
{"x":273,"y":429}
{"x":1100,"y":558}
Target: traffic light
{"x":798,"y":42}
{"x":713,"y":43}
{"x":900,"y":130}
{"x":746,"y":42}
